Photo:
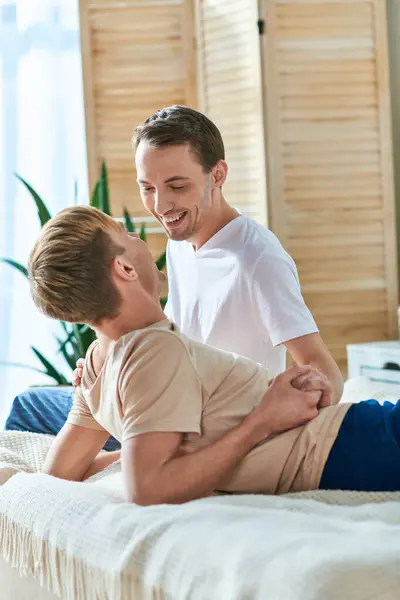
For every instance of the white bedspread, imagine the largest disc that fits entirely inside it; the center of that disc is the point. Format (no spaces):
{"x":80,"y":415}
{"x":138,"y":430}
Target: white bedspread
{"x":82,"y":542}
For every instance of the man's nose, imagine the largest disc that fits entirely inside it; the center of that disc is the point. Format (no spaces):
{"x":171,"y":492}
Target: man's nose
{"x":162,"y":203}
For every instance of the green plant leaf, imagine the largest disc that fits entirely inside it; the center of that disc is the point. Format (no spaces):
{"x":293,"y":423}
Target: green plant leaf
{"x":129,"y":224}
{"x":85,"y":328}
{"x":50,"y":370}
{"x":42,"y":209}
{"x":78,"y":340}
{"x":16,"y":265}
{"x":163,"y":302}
{"x":103,"y":190}
{"x":64,"y":343}
{"x":64,"y":326}
{"x":161,"y":261}
{"x":69,"y":358}
{"x":95,"y":198}
{"x":87,"y":336}
{"x":143,"y":235}
{"x":67,"y":327}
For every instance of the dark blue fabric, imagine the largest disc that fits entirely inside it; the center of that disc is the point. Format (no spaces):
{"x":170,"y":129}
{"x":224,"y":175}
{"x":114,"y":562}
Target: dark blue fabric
{"x":366,"y":453}
{"x":45,"y":410}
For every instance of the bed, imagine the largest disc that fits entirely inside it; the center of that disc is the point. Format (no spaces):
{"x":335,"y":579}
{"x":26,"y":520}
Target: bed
{"x":81,"y":541}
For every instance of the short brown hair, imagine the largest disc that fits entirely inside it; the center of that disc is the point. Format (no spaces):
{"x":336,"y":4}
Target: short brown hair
{"x":69,"y":267}
{"x":176,"y":125}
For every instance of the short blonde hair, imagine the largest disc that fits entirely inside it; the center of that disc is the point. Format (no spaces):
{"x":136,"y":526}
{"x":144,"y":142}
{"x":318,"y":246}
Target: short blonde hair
{"x":69,"y":266}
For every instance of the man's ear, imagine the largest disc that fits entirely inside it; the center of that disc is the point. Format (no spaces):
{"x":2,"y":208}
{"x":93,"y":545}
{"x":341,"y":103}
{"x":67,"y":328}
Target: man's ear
{"x":124,"y":269}
{"x":219,"y":174}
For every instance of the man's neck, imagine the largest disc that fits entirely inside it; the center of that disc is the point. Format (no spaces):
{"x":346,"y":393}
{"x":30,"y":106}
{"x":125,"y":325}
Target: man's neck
{"x":216,"y":220}
{"x":131,"y":318}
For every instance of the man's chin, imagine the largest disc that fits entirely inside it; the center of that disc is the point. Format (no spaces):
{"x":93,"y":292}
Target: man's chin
{"x":178,"y":236}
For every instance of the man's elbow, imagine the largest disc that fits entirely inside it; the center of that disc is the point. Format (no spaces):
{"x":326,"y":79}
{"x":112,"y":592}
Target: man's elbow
{"x":144,"y":498}
{"x":63,"y":471}
{"x":143,"y":495}
{"x":140,"y":500}
{"x":60,"y":475}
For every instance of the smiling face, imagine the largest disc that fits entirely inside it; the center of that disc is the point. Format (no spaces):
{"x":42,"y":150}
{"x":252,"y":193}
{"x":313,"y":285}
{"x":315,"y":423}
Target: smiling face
{"x":174,"y":188}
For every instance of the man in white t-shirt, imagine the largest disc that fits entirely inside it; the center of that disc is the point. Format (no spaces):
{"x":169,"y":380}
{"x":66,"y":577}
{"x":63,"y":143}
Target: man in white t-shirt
{"x":231,"y":283}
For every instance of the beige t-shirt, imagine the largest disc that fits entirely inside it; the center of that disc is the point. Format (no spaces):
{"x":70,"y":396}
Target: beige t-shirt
{"x":156,"y":379}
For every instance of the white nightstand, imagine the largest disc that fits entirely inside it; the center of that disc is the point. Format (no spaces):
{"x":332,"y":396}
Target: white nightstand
{"x":379,"y":361}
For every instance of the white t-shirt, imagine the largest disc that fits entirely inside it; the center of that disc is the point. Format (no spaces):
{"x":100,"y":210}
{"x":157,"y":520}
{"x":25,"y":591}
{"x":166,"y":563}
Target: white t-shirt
{"x":239,"y":292}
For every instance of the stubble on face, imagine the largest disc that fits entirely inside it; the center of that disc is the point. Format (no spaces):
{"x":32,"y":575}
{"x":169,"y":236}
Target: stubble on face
{"x":195,"y":218}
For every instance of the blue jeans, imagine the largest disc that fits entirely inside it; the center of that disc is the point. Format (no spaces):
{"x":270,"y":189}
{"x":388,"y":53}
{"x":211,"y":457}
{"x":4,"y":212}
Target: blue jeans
{"x":45,"y":410}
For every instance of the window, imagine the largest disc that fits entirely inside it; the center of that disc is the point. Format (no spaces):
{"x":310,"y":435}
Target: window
{"x":42,"y":138}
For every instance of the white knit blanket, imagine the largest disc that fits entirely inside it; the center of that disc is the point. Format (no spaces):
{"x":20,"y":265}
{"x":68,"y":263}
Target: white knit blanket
{"x":82,"y":542}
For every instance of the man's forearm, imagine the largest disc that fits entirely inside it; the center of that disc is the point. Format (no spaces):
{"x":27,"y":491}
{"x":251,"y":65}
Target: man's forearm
{"x":198,"y":474}
{"x":332,"y":372}
{"x":102,"y":460}
{"x":73,"y":452}
{"x":311,"y":350}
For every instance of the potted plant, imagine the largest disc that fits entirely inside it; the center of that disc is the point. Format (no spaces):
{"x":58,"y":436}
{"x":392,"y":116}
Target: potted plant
{"x":74,"y":339}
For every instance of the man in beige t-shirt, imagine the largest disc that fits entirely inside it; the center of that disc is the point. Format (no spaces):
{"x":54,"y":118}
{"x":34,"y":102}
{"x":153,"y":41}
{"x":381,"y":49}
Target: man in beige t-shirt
{"x":191,"y":419}
{"x":160,"y":381}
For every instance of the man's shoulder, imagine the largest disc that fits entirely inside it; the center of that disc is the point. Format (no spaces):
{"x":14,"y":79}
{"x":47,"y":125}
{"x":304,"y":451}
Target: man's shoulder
{"x":259,"y":245}
{"x":155,"y":341}
{"x":258,"y":235}
{"x":147,"y":358}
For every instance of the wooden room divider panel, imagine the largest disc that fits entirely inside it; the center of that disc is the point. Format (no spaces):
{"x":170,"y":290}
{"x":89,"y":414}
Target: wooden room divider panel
{"x":330,"y":178}
{"x":230,"y":93}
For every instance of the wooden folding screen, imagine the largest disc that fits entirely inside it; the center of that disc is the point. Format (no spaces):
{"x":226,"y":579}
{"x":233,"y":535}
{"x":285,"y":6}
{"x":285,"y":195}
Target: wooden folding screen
{"x":230,"y":94}
{"x":330,"y":177}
